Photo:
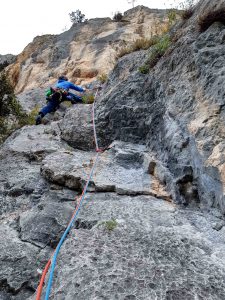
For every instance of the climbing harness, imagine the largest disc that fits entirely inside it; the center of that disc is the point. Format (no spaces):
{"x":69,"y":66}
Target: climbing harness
{"x":56,"y":91}
{"x":52,"y":261}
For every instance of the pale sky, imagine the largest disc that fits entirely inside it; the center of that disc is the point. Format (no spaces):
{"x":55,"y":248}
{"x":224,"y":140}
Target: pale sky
{"x":22,"y":20}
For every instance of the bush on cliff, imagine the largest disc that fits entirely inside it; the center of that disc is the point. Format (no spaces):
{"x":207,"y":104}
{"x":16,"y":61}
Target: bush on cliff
{"x":76,"y":17}
{"x":157,"y":51}
{"x":118,"y":17}
{"x":139,"y":44}
{"x":3,"y":65}
{"x":11,"y":114}
{"x":158,"y":37}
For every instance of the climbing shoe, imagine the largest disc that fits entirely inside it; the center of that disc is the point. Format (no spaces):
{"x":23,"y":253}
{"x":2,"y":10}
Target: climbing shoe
{"x":38,"y":119}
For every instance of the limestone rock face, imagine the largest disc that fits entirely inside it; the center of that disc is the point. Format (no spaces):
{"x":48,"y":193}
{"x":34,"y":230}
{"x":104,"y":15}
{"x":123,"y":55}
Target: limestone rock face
{"x":176,"y":109}
{"x":17,"y":256}
{"x":32,"y":99}
{"x":151,"y":225}
{"x":83,"y":52}
{"x":123,"y":169}
{"x":154,"y":251}
{"x":76,"y":127}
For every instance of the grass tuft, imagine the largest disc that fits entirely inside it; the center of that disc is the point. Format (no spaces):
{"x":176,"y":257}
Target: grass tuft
{"x":102,"y":78}
{"x":139,"y":44}
{"x":110,"y":225}
{"x":157,"y":51}
{"x":88,"y":98}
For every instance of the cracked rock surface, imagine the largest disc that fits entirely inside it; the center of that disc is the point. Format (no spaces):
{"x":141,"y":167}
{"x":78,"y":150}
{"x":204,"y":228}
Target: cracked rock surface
{"x":152,"y":222}
{"x":122,"y":169}
{"x":155,"y":251}
{"x":177,"y":109}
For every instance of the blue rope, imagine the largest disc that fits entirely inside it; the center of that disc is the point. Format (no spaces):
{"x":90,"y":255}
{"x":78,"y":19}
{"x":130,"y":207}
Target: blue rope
{"x":48,"y":290}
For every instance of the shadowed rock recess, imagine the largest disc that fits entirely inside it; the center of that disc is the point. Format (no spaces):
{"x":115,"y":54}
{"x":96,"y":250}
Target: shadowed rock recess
{"x":152,"y":222}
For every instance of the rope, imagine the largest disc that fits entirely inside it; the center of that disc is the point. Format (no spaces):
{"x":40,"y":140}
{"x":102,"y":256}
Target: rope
{"x":39,"y":291}
{"x":52,"y":261}
{"x":48,"y":290}
{"x":93,"y":124}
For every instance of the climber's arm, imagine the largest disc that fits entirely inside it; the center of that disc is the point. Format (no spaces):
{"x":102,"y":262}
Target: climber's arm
{"x":76,"y":88}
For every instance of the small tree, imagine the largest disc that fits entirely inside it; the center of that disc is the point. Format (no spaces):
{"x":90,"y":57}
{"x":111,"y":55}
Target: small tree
{"x":132,"y":2}
{"x":117,"y":16}
{"x":77,"y":17}
{"x":186,"y":4}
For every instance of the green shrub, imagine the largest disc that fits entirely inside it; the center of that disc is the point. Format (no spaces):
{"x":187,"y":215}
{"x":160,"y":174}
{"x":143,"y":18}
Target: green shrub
{"x":76,"y":17}
{"x":88,"y":98}
{"x":28,"y":119}
{"x":186,"y":4}
{"x":172,"y":15}
{"x":110,"y":225}
{"x":158,"y":50}
{"x":143,"y":69}
{"x":12,"y":115}
{"x":3,"y":127}
{"x":6,"y":96}
{"x":186,"y":8}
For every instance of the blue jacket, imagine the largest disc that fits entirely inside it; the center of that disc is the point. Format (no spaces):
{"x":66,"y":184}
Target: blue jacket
{"x":66,"y":85}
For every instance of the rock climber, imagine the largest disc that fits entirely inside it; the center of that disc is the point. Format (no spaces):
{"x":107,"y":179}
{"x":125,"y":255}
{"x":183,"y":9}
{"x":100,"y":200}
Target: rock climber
{"x":58,"y":94}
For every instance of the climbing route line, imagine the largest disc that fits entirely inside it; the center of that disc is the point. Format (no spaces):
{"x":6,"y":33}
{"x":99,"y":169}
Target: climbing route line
{"x":52,"y":261}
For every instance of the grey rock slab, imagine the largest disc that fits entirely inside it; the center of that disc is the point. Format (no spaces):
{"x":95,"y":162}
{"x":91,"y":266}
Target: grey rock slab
{"x":18,"y":261}
{"x":44,"y":224}
{"x":32,"y":99}
{"x":35,"y":140}
{"x":21,"y":185}
{"x":76,"y":127}
{"x":153,"y":252}
{"x":122,"y":169}
{"x":59,"y":194}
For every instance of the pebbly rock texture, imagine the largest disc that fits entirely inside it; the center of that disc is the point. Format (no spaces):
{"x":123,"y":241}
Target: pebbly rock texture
{"x":28,"y":205}
{"x":18,"y":264}
{"x":45,"y":224}
{"x":83,"y":52}
{"x":153,"y":251}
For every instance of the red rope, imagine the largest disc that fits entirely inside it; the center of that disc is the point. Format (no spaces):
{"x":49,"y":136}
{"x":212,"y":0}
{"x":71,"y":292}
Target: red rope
{"x":41,"y":284}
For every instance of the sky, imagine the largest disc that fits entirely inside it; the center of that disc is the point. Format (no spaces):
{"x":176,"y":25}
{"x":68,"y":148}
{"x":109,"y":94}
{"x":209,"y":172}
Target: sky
{"x":22,"y":20}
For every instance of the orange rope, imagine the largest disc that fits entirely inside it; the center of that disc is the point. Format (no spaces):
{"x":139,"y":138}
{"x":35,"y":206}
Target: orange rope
{"x":40,"y":287}
{"x":41,"y":284}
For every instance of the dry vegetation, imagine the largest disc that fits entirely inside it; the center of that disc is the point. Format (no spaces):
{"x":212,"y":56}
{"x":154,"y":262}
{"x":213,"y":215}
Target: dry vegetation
{"x":187,"y":13}
{"x":139,"y":44}
{"x":210,"y":17}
